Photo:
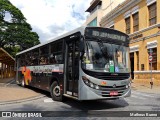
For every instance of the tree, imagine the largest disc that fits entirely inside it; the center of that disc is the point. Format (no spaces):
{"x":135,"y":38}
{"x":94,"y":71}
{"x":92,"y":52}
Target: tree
{"x":15,"y":34}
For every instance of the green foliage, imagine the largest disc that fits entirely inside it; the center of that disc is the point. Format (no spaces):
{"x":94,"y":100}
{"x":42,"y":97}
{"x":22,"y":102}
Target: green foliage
{"x":16,"y":32}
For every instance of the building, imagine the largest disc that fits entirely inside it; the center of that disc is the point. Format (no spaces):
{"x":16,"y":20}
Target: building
{"x":7,"y":63}
{"x":99,"y":8}
{"x":141,"y":20}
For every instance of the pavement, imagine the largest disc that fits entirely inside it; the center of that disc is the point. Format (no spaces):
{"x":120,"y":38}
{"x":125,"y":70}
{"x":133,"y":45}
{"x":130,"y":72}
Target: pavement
{"x":12,"y":93}
{"x":142,"y":86}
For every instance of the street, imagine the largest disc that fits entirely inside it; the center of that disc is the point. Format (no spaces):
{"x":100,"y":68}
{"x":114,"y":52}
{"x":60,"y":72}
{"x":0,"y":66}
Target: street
{"x":139,"y":101}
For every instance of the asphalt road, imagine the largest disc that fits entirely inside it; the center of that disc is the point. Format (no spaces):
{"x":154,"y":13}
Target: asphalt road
{"x":137,"y":102}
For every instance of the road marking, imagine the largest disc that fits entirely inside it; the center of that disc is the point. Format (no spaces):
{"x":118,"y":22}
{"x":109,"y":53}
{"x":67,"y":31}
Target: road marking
{"x":130,"y":101}
{"x":143,"y":94}
{"x":48,"y":100}
{"x":10,"y":82}
{"x":137,"y":97}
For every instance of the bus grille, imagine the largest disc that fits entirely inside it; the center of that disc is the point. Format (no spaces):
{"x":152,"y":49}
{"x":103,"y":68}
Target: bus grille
{"x":111,"y":77}
{"x":105,"y":90}
{"x":107,"y":76}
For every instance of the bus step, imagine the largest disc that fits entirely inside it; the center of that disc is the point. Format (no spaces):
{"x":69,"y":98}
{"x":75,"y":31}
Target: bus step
{"x":70,"y":96}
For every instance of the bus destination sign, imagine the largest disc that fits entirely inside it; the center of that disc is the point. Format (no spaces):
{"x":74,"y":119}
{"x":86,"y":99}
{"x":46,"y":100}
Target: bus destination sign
{"x":108,"y":35}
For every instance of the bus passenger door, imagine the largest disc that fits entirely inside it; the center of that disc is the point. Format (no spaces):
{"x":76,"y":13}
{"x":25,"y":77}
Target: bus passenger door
{"x":72,"y":67}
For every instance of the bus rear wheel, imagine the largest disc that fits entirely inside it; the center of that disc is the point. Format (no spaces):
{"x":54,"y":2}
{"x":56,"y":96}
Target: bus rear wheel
{"x":55,"y":91}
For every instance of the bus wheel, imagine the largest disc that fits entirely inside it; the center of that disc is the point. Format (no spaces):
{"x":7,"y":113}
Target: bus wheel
{"x":55,"y":91}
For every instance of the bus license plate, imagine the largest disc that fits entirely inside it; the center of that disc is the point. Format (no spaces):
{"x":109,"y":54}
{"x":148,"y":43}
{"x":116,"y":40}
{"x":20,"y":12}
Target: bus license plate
{"x":112,"y":93}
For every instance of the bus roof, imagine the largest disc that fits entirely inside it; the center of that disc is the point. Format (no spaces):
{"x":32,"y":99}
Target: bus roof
{"x":80,"y":29}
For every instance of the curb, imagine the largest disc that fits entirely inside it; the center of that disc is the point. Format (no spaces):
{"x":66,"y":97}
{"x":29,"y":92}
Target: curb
{"x":145,"y":90}
{"x":21,"y":100}
{"x":10,"y":85}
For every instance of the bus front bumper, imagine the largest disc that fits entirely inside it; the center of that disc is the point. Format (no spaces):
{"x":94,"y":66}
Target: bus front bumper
{"x":87,"y":93}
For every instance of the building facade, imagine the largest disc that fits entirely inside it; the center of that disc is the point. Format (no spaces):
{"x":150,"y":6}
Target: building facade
{"x":140,"y":19}
{"x":99,"y":8}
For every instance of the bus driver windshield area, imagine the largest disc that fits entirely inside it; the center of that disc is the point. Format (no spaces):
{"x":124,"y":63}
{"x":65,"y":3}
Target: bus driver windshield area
{"x":105,"y":57}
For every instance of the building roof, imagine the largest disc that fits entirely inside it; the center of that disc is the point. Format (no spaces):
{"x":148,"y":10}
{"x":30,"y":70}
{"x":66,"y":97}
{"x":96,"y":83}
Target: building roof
{"x":6,"y":58}
{"x":93,"y":5}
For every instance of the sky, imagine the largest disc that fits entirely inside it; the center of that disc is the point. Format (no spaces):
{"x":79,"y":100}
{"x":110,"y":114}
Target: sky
{"x":51,"y":18}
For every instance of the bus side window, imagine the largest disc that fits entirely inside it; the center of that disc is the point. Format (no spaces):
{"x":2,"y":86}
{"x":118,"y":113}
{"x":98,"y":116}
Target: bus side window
{"x":56,"y":53}
{"x":58,"y":58}
{"x":52,"y":59}
{"x":44,"y":55}
{"x":43,"y":60}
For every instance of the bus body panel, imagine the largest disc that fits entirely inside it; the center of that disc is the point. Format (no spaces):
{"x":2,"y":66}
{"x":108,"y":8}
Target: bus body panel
{"x":41,"y":76}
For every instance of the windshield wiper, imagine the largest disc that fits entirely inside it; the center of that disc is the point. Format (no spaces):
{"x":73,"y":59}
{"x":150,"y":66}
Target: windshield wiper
{"x":103,"y":49}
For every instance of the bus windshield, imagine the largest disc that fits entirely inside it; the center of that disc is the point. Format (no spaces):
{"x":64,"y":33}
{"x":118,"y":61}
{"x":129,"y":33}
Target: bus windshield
{"x":105,"y":57}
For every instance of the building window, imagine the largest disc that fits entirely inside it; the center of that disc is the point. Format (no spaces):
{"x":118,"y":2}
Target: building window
{"x":137,"y":54}
{"x":152,"y":14}
{"x":127,"y":20}
{"x":93,"y":23}
{"x":142,"y":67}
{"x":154,"y":59}
{"x":135,"y":22}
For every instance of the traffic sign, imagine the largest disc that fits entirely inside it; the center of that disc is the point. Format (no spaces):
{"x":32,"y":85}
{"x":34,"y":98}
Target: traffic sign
{"x":150,"y":58}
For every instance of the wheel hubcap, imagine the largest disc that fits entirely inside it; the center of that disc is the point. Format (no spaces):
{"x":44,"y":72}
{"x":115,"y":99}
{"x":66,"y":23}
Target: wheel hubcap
{"x":56,"y":91}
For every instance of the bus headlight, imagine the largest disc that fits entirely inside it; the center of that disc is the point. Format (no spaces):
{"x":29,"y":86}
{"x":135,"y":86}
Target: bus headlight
{"x":126,"y":86}
{"x":89,"y":83}
{"x":97,"y":87}
{"x":129,"y":84}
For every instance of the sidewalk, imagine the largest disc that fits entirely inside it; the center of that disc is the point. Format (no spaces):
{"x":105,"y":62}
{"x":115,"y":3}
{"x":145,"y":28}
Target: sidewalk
{"x":16,"y":94}
{"x":141,"y":86}
{"x":5,"y":80}
{"x":10,"y":92}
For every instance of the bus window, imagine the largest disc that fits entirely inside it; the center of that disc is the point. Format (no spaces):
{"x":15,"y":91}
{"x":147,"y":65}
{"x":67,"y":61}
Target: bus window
{"x":56,"y":47}
{"x":44,"y":50}
{"x":44,"y":53}
{"x":35,"y":57}
{"x":27,"y":58}
{"x":58,"y":58}
{"x":56,"y":53}
{"x":52,"y":59}
{"x":44,"y":60}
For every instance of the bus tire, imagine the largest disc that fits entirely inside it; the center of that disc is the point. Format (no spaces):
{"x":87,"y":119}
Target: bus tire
{"x":55,"y":91}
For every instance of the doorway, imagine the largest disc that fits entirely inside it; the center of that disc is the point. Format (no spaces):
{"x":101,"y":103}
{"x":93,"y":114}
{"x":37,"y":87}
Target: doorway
{"x":72,"y":67}
{"x":132,"y":64}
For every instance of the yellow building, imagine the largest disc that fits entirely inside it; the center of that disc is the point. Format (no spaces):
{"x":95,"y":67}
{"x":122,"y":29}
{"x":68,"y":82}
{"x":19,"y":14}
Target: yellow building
{"x":99,"y":8}
{"x":141,"y":20}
